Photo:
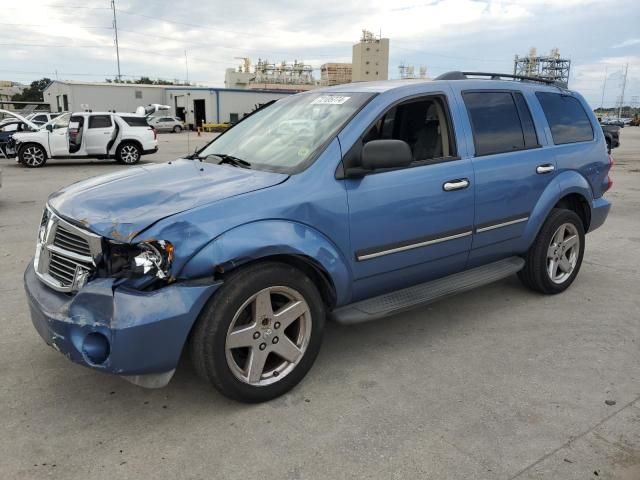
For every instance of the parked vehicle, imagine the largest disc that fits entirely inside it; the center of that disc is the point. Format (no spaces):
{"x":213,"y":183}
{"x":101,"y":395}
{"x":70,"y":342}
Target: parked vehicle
{"x":123,"y":136}
{"x":37,"y":118}
{"x":611,"y":136}
{"x":12,"y":124}
{"x":399,"y":194}
{"x":167,"y":124}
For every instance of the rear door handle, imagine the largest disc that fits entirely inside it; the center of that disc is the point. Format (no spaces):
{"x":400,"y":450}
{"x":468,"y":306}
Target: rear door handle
{"x":546,"y":168}
{"x":457,"y":184}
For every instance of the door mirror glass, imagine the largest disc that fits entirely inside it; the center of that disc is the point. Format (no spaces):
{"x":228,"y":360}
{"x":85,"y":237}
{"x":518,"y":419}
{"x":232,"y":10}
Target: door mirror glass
{"x":379,"y":154}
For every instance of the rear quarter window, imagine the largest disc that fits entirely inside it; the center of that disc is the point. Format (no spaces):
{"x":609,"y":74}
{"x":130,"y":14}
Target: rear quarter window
{"x":567,"y":119}
{"x":136,"y":121}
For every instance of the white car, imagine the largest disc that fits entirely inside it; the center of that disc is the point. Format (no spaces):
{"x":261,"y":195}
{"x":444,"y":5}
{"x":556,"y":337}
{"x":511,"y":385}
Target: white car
{"x":37,"y":118}
{"x":123,"y":136}
{"x":168,"y":124}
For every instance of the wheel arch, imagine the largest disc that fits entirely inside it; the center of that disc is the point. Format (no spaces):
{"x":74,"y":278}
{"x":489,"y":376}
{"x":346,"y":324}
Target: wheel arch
{"x":568,"y":190}
{"x":130,"y":140}
{"x":293,"y":243}
{"x":24,"y":145}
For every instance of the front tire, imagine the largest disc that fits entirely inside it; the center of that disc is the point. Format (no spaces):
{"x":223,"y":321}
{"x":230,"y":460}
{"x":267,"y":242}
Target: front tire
{"x":32,"y":155}
{"x":177,"y":129}
{"x":260,"y":333}
{"x":128,"y":153}
{"x":554,"y":259}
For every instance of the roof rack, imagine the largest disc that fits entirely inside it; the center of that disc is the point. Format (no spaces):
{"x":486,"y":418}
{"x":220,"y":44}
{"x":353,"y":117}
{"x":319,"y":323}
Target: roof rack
{"x":456,"y":75}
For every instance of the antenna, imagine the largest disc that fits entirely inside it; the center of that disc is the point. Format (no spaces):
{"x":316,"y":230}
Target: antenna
{"x":115,"y":28}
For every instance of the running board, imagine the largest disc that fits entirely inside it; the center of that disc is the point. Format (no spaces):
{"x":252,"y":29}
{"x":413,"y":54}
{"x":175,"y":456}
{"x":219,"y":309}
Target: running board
{"x":425,"y":293}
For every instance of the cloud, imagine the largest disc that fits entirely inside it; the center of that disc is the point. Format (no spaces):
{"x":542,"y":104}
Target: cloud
{"x":627,"y":43}
{"x":77,"y":41}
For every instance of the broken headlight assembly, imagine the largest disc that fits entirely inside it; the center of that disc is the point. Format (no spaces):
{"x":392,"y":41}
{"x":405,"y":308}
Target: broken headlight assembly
{"x":152,"y":258}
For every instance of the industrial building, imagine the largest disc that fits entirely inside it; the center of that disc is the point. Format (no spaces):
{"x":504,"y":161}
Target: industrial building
{"x":549,"y":67}
{"x":7,"y":90}
{"x":291,"y":77}
{"x":335,"y":74}
{"x":370,"y":61}
{"x":195,"y":105}
{"x":370,"y":58}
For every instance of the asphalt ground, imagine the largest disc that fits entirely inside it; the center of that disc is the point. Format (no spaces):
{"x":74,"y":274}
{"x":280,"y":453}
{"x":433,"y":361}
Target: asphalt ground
{"x":497,"y":383}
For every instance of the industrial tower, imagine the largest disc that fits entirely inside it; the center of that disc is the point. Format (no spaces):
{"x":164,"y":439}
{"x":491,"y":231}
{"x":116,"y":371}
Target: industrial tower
{"x":550,"y":67}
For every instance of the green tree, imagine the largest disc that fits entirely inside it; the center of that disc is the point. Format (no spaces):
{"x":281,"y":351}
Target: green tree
{"x":33,"y":93}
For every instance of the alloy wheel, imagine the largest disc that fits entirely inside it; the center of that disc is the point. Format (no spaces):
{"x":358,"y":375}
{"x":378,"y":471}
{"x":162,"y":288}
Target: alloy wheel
{"x":268,"y":336}
{"x":129,"y":154}
{"x":563,"y":252}
{"x":33,"y":156}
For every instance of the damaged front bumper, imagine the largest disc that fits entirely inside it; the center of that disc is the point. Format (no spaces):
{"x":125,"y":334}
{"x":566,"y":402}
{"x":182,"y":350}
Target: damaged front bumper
{"x":134,"y":334}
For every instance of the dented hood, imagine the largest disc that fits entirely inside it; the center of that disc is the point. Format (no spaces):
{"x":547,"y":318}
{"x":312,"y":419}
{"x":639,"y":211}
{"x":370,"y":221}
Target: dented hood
{"x":121,"y":205}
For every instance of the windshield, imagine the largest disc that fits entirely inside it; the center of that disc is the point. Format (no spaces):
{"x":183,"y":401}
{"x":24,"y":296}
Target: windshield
{"x":285,"y":136}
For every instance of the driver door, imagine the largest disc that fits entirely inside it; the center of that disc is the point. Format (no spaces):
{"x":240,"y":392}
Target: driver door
{"x":414,"y":224}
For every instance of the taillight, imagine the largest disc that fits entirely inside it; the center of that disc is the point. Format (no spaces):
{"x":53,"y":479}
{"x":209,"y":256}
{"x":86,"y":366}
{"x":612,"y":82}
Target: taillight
{"x":612,"y":162}
{"x":155,"y":133}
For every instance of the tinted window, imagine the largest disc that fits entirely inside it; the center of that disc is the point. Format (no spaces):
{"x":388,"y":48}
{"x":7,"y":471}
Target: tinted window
{"x":567,"y":119}
{"x":495,"y":122}
{"x":100,"y":121}
{"x":136,"y":121}
{"x":40,"y":118}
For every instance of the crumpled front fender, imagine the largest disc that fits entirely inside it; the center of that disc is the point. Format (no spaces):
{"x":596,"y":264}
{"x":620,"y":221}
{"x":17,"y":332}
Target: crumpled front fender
{"x":266,"y":238}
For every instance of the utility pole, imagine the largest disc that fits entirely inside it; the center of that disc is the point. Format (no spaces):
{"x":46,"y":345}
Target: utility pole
{"x":115,"y":28}
{"x":604,"y":86}
{"x":624,"y":85}
{"x":186,"y":66}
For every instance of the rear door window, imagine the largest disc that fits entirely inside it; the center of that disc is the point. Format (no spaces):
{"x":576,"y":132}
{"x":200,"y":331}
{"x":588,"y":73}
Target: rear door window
{"x":100,"y":121}
{"x":567,"y":119}
{"x":496,"y":123}
{"x":136,"y":121}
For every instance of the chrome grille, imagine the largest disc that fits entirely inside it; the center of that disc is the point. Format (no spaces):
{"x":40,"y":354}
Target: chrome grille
{"x":70,"y":241}
{"x":65,"y":254}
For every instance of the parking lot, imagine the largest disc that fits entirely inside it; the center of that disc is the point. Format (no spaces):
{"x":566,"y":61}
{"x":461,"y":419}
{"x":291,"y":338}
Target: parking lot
{"x":498,"y":383}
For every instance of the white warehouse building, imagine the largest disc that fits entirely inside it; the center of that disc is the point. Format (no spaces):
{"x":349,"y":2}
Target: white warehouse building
{"x":195,"y":105}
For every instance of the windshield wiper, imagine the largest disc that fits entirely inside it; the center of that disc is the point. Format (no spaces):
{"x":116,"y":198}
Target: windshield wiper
{"x":231,"y":160}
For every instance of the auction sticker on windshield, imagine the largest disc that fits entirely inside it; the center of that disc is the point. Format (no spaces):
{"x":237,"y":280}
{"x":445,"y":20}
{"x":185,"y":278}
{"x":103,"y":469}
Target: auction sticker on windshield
{"x":330,"y":100}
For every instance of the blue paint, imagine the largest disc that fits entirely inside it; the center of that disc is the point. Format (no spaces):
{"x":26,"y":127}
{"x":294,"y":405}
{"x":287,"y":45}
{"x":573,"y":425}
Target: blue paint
{"x":220,"y":217}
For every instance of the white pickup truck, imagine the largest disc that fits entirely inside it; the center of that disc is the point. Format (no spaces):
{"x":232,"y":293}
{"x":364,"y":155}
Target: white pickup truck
{"x":123,"y":136}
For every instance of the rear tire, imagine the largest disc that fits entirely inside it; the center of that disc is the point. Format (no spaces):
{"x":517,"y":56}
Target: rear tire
{"x":259,"y":335}
{"x":554,"y":259}
{"x":32,"y":155}
{"x":128,"y":153}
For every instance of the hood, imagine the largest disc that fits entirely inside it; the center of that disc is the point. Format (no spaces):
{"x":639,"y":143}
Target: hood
{"x":119,"y":206}
{"x":21,"y":118}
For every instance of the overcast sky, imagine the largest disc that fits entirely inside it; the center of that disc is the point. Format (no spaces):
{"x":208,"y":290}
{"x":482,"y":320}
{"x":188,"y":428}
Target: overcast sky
{"x":75,"y":37}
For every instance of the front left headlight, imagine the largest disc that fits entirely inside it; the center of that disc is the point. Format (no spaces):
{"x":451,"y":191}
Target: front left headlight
{"x":145,"y":258}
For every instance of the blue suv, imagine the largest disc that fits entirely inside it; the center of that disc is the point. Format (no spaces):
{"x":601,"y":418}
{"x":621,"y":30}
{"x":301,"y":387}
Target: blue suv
{"x":353,"y":202}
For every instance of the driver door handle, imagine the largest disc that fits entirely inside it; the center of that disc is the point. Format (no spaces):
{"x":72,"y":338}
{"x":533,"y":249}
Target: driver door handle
{"x":457,"y":184}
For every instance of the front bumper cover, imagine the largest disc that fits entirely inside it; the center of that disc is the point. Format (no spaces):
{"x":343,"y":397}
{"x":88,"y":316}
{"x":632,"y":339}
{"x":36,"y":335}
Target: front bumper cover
{"x":145,"y":331}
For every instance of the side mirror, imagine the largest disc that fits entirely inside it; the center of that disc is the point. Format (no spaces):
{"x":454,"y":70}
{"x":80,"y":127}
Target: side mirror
{"x":378,"y":154}
{"x":49,"y":128}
